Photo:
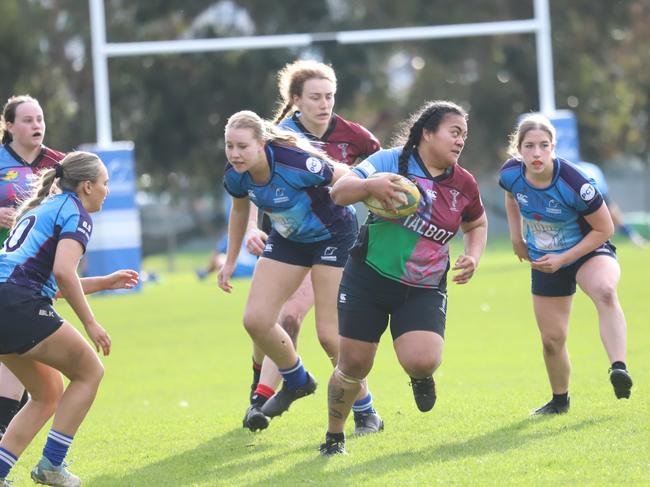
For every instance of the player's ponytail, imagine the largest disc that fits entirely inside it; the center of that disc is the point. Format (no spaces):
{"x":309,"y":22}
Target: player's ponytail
{"x":265,"y":131}
{"x":75,"y":168}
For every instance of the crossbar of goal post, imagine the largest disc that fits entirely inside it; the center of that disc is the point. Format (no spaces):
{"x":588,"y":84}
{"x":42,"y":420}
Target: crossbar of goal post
{"x":102,"y":50}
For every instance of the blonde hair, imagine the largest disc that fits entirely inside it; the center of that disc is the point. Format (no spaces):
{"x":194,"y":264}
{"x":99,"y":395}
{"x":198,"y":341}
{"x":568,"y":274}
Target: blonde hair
{"x":74,"y":168}
{"x":528,"y":123}
{"x":265,"y":131}
{"x":291,"y":81}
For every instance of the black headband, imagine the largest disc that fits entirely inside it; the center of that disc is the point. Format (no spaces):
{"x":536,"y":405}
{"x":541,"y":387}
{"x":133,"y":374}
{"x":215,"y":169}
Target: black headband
{"x":58,"y":171}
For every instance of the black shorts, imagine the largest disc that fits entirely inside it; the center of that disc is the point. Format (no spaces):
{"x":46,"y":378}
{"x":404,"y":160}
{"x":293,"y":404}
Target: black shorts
{"x":28,"y":318}
{"x":367,"y":300}
{"x":332,"y":252}
{"x":563,"y":281}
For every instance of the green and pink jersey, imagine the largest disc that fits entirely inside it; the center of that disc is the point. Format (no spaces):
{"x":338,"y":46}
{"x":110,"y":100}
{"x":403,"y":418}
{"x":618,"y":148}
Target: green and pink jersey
{"x":415,"y":250}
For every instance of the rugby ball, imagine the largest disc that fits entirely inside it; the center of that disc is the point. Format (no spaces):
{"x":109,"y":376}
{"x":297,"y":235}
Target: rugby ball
{"x":405,"y":205}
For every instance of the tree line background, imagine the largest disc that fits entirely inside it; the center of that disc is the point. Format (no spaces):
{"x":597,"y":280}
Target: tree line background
{"x":174,"y":107}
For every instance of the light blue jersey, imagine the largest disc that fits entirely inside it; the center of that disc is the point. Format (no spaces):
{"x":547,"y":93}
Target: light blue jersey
{"x":296,"y":198}
{"x":553,"y":216}
{"x":27,"y":257}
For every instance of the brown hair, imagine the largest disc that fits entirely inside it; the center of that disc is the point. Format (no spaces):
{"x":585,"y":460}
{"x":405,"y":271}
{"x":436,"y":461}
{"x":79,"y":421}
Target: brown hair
{"x":9,"y":114}
{"x":292,"y":78}
{"x":526,"y":124}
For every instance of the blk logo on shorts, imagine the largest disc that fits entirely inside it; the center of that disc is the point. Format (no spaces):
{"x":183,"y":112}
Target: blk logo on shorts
{"x":343,"y":298}
{"x":46,"y":312}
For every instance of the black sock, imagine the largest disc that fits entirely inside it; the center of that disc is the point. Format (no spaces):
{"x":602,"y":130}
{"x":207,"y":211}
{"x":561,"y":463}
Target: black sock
{"x":8,"y":409}
{"x":561,"y":399}
{"x":258,"y":400}
{"x":334,"y":437}
{"x":619,"y":365}
{"x":257,"y":370}
{"x":23,"y":400}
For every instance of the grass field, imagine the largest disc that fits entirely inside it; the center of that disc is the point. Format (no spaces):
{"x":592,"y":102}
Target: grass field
{"x":170,"y":408}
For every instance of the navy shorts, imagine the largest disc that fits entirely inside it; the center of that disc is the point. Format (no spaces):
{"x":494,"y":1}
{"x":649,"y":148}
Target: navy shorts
{"x":28,"y":318}
{"x":563,"y":281}
{"x":367,"y":301}
{"x":332,"y":252}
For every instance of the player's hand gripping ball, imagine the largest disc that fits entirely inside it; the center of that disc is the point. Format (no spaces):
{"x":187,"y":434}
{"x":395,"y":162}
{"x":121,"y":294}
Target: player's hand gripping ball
{"x":405,"y":204}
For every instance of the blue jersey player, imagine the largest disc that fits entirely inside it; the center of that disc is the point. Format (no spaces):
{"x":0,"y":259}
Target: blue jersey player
{"x":22,"y":156}
{"x":287,"y":179}
{"x":39,"y":258}
{"x":559,"y":223}
{"x":307,"y":92}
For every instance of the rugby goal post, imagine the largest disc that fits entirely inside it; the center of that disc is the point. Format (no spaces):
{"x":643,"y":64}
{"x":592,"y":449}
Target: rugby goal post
{"x":102,"y":50}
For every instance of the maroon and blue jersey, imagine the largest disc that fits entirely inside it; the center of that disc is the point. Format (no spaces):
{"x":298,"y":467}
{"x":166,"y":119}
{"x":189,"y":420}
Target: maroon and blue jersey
{"x":27,"y":256}
{"x":17,"y":176}
{"x":344,"y":141}
{"x":296,"y":197}
{"x":414,"y":250}
{"x":554,"y":217}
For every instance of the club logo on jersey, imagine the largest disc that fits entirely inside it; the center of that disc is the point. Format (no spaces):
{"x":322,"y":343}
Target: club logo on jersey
{"x":314,"y":165}
{"x":454,"y":194}
{"x":552,"y":208}
{"x":10,"y":176}
{"x":587,"y":192}
{"x":432,"y":194}
{"x":280,"y":197}
{"x":522,"y":199}
{"x":329,"y":254}
{"x":344,"y":151}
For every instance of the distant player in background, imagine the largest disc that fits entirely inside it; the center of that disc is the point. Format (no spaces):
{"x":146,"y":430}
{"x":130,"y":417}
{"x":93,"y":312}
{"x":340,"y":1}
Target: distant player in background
{"x":22,"y":157}
{"x":245,"y":263}
{"x":308,"y":90}
{"x":594,"y":172}
{"x":566,"y":240}
{"x":397,"y":271}
{"x":40,"y":256}
{"x":285,"y":176}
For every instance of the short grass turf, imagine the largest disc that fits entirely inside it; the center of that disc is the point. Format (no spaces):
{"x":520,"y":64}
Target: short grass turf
{"x":170,"y":408}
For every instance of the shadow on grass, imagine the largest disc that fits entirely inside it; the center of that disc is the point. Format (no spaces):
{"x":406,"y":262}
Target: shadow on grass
{"x":219,"y":461}
{"x":506,"y":438}
{"x":225,"y":459}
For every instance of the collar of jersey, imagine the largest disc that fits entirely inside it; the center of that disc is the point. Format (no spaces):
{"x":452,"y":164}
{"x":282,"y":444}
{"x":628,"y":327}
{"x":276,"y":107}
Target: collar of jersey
{"x":332,"y":125}
{"x":556,"y":173}
{"x":448,"y":172}
{"x":22,"y":161}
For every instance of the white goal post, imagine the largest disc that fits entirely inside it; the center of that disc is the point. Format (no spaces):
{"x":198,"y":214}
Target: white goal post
{"x":102,"y":50}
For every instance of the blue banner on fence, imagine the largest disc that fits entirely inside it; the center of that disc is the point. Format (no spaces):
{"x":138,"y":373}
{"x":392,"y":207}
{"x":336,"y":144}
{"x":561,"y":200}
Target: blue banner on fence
{"x":116,"y":241}
{"x":568,"y":142}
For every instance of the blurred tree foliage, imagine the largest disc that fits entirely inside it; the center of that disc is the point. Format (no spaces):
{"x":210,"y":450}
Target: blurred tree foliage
{"x":174,"y":106}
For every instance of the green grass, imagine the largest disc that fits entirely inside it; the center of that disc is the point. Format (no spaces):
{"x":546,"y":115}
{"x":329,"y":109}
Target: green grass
{"x":170,"y":408}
